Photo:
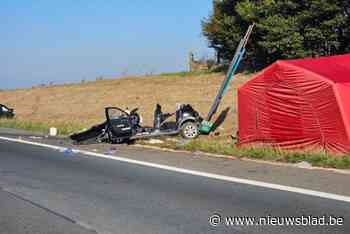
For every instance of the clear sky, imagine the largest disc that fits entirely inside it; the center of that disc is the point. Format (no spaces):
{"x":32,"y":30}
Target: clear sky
{"x":61,"y":41}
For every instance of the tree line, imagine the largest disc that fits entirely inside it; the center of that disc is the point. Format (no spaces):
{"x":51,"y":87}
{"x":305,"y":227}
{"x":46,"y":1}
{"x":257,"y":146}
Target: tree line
{"x":285,"y":29}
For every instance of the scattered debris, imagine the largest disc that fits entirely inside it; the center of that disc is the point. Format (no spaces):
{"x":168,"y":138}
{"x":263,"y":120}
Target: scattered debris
{"x":35,"y":137}
{"x":155,"y":141}
{"x":303,"y":164}
{"x":68,"y":151}
{"x":111,"y":151}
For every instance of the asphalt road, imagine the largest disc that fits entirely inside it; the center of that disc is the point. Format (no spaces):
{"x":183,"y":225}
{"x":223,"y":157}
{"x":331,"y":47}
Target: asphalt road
{"x":46,"y":191}
{"x":22,"y":216}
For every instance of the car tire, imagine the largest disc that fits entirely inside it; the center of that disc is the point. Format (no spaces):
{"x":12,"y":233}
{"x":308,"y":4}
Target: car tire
{"x":189,"y":130}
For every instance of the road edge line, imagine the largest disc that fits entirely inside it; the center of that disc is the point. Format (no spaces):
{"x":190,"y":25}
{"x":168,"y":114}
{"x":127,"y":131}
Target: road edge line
{"x":256,"y":183}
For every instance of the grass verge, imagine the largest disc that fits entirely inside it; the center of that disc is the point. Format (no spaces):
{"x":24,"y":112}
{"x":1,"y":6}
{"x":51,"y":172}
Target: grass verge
{"x":223,"y":146}
{"x":229,"y":148}
{"x":38,"y":127}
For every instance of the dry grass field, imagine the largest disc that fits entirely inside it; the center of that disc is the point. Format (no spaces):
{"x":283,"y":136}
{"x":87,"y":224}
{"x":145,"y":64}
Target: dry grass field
{"x":82,"y":105}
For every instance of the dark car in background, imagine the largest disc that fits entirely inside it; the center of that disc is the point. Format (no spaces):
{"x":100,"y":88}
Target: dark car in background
{"x":6,"y":112}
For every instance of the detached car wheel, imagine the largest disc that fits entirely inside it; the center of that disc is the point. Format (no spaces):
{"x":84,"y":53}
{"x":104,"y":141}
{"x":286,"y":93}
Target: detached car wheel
{"x":189,"y":130}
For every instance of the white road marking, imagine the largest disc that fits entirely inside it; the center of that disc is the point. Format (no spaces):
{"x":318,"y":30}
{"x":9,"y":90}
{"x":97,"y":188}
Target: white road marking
{"x":193,"y":172}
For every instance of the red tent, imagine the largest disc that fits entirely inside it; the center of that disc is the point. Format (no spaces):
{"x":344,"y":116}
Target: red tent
{"x":298,"y":104}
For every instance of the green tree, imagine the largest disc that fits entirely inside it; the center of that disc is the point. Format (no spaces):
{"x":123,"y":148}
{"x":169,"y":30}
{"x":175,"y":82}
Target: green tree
{"x":284,"y":28}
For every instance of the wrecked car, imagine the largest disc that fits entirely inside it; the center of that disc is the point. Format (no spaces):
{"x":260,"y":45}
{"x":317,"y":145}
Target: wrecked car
{"x":124,"y":126}
{"x":6,"y":112}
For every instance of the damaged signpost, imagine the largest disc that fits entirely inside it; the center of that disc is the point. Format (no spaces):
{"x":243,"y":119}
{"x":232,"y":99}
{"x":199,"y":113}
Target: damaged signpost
{"x":206,"y":126}
{"x":124,"y":126}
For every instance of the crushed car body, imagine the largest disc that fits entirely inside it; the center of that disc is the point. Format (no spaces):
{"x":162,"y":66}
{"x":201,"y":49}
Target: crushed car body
{"x":123,"y":126}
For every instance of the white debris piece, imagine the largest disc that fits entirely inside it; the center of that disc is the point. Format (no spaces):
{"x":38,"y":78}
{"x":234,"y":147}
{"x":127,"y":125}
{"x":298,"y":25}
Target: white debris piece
{"x":303,"y":164}
{"x":53,"y":131}
{"x":155,"y":141}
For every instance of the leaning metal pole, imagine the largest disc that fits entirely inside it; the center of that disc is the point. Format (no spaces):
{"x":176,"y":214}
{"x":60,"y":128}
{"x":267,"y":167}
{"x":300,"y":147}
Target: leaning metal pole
{"x":240,"y":51}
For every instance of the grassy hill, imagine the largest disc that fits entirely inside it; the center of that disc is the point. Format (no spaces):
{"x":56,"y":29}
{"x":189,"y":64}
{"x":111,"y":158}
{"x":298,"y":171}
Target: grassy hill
{"x":71,"y":107}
